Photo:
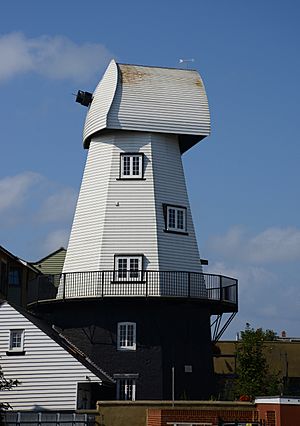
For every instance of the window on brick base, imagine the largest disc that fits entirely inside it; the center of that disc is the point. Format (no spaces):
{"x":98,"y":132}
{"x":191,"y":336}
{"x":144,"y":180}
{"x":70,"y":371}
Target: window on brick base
{"x":126,"y":389}
{"x":126,"y":336}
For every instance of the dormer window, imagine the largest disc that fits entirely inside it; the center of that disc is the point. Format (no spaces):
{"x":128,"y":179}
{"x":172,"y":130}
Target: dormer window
{"x":175,"y":219}
{"x":131,"y":166}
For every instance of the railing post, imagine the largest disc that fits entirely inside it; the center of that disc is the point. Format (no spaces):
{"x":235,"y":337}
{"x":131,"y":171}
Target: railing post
{"x":64,"y":286}
{"x":37,"y":289}
{"x":102,"y":283}
{"x":146,"y":278}
{"x":221,"y":289}
{"x":189,"y":284}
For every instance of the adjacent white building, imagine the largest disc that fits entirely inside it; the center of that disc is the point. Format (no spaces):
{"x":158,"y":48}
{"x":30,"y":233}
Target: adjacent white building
{"x":53,"y":374}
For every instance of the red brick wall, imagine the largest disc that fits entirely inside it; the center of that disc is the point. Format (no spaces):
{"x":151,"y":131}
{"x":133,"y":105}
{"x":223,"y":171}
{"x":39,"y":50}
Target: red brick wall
{"x":153,"y":417}
{"x":279,"y":414}
{"x":203,"y":416}
{"x":290,"y":415}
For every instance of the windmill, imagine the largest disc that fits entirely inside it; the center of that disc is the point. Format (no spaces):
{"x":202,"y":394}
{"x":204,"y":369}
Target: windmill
{"x":132,"y":271}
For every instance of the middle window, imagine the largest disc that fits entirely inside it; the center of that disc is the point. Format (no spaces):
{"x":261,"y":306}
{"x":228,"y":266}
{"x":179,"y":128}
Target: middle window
{"x":128,"y":267}
{"x":175,"y":218}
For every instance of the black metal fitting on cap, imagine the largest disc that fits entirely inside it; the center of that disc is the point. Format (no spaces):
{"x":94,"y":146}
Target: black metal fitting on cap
{"x":84,"y":98}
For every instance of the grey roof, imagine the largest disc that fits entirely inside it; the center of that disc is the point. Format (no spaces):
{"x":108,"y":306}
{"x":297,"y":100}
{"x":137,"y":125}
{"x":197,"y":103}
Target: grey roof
{"x":150,"y":99}
{"x":18,"y":259}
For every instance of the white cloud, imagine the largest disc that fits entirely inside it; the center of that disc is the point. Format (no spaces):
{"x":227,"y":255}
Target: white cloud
{"x":32,"y":206}
{"x":55,"y":57}
{"x":275,"y":244}
{"x":55,"y":240}
{"x":253,"y":280}
{"x":59,"y":206}
{"x":15,"y":189}
{"x":271,"y":245}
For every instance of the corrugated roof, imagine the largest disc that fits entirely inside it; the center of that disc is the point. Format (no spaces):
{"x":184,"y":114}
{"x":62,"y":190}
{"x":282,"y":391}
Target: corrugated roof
{"x":143,"y":98}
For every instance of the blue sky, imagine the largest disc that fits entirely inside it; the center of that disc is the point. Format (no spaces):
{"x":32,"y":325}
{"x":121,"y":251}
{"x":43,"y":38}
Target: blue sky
{"x":243,"y":180}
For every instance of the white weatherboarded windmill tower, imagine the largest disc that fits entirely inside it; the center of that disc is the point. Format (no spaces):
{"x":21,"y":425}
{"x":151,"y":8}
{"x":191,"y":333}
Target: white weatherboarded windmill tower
{"x":133,"y":209}
{"x":132,"y":276}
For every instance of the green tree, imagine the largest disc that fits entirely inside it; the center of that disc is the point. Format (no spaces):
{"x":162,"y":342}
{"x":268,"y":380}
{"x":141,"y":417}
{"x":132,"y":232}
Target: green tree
{"x":254,"y":377}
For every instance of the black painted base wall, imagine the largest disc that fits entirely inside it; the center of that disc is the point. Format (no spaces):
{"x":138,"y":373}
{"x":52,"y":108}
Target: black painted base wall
{"x":170,"y":333}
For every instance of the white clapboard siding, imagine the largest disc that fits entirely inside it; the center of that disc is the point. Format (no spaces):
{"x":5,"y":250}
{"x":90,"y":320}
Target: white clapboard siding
{"x":96,"y":119}
{"x":48,"y":373}
{"x":153,"y":99}
{"x":87,"y":230}
{"x":130,"y":222}
{"x":116,"y":216}
{"x":101,"y":228}
{"x":176,"y":252}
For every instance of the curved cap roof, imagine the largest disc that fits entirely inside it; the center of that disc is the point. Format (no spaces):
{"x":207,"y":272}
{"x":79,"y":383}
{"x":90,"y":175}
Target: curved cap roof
{"x":149,"y":99}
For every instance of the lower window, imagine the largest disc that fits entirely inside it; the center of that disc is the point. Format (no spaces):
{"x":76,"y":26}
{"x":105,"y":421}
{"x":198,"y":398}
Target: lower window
{"x":128,"y":267}
{"x":126,"y":336}
{"x":126,"y":389}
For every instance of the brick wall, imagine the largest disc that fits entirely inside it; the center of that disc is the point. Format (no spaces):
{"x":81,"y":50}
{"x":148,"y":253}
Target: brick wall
{"x":279,"y":414}
{"x":198,"y":416}
{"x":159,"y":413}
{"x":154,"y":417}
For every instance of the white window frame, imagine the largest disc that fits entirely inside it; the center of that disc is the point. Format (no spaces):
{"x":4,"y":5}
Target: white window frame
{"x":131,"y":174}
{"x":21,"y":333}
{"x":127,"y":383}
{"x":177,"y":210}
{"x":128,"y":274}
{"x":126,"y":345}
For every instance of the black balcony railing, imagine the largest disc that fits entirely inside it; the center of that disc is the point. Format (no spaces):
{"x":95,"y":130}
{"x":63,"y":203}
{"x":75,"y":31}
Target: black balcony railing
{"x":134,"y":283}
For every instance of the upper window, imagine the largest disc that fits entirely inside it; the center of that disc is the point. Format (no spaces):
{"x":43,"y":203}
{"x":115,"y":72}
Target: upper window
{"x":129,"y":267}
{"x":14,"y":276}
{"x":3,"y":277}
{"x":126,"y":336}
{"x":16,"y":340}
{"x":175,"y":218}
{"x":131,"y":166}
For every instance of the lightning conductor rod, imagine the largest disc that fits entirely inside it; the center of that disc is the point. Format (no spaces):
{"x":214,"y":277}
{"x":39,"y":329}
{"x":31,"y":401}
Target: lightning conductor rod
{"x":186,"y":61}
